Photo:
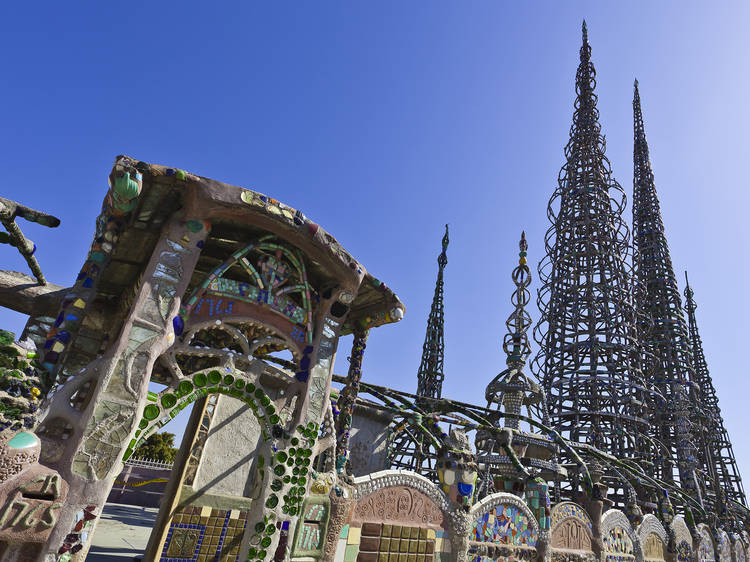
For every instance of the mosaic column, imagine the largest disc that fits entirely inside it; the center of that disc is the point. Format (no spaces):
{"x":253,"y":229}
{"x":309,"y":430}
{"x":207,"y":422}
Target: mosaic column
{"x":348,"y":397}
{"x":284,"y":463}
{"x":110,"y":392}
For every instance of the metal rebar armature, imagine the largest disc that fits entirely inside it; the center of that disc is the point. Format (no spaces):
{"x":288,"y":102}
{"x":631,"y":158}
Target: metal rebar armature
{"x":9,"y":210}
{"x":588,"y":360}
{"x":666,"y":365}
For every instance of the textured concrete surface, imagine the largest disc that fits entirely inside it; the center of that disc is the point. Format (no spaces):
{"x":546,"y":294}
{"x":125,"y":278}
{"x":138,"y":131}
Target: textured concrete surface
{"x":229,"y":451}
{"x":368,"y":441}
{"x":122,"y":533}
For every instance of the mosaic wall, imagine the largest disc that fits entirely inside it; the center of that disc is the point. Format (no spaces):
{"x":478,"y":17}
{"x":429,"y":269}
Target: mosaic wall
{"x":618,"y":546}
{"x":724,"y":548}
{"x":503,"y":533}
{"x":654,"y":549}
{"x":739,"y":550}
{"x":504,"y":524}
{"x":682,"y":539}
{"x":706,"y":546}
{"x":571,"y":528}
{"x":380,"y":542}
{"x":202,"y":534}
{"x":312,"y":526}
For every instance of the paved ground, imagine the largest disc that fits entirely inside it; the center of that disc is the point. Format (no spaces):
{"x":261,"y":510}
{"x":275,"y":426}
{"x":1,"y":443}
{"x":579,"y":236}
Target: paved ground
{"x":122,"y":533}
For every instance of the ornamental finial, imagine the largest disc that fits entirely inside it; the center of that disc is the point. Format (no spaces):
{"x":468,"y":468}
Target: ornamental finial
{"x":443,"y":257}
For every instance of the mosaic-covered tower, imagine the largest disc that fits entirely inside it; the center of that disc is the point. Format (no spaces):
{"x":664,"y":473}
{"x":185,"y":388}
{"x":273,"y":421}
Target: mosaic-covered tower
{"x":408,"y":449}
{"x":716,"y":455}
{"x":667,"y":364}
{"x":504,"y":456}
{"x":588,"y":358}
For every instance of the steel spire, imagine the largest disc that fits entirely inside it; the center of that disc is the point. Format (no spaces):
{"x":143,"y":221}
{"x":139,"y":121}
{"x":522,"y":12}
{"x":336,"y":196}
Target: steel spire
{"x":589,"y":357}
{"x":430,"y":374}
{"x":718,"y":456}
{"x":667,"y":366}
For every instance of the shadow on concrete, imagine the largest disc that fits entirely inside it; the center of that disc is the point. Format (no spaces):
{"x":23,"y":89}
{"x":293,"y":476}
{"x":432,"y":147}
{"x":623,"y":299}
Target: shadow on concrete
{"x":121,"y":533}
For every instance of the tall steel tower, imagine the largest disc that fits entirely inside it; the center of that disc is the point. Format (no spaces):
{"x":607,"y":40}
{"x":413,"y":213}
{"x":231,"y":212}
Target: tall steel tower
{"x":588,"y":360}
{"x":717,"y":456}
{"x":667,"y":365}
{"x":408,"y":447}
{"x":430,"y":375}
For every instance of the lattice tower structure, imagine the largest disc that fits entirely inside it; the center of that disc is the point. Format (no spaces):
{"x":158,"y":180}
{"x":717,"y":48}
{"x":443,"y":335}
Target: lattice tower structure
{"x":408,"y":447}
{"x":589,"y":356}
{"x":667,"y":365}
{"x":512,"y":389}
{"x":717,"y":455}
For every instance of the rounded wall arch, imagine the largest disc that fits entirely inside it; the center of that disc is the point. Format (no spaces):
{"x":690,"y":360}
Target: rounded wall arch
{"x":739,"y":554}
{"x":653,"y":539}
{"x":161,"y":408}
{"x":571,"y":532}
{"x":620,"y":541}
{"x":367,"y":486}
{"x":395,"y":509}
{"x":683,"y":539}
{"x":503,"y":526}
{"x":723,"y":547}
{"x":706,"y":548}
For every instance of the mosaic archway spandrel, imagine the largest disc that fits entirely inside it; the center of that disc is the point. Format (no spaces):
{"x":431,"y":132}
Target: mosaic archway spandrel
{"x":706,"y":552}
{"x":653,"y":539}
{"x":398,"y":504}
{"x":571,"y":529}
{"x":738,"y":549}
{"x":503,"y":528}
{"x":621,"y":543}
{"x":683,"y":540}
{"x":724,"y":547}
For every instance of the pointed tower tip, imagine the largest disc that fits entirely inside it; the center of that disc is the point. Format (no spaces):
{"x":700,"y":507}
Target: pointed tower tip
{"x":585,"y":32}
{"x":635,"y":83}
{"x":522,"y":244}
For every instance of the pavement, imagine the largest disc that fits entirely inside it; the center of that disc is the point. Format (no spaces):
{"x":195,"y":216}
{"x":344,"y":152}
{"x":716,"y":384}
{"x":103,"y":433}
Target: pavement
{"x":122,"y":533}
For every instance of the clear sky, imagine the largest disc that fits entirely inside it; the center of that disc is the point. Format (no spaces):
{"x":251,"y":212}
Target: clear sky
{"x":384,"y":120}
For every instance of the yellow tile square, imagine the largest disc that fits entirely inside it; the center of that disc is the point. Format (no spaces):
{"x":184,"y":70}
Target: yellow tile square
{"x":430,"y":533}
{"x":354,"y":535}
{"x":234,"y":514}
{"x":205,"y":511}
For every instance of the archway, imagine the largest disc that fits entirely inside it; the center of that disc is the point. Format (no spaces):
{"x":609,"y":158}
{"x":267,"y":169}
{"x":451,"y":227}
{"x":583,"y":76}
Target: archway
{"x":653,"y":539}
{"x":571,"y":533}
{"x":706,"y":551}
{"x":503,"y":527}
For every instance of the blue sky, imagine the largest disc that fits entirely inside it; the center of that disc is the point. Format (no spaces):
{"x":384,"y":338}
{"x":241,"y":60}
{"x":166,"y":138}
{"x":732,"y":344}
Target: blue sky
{"x":384,"y":120}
